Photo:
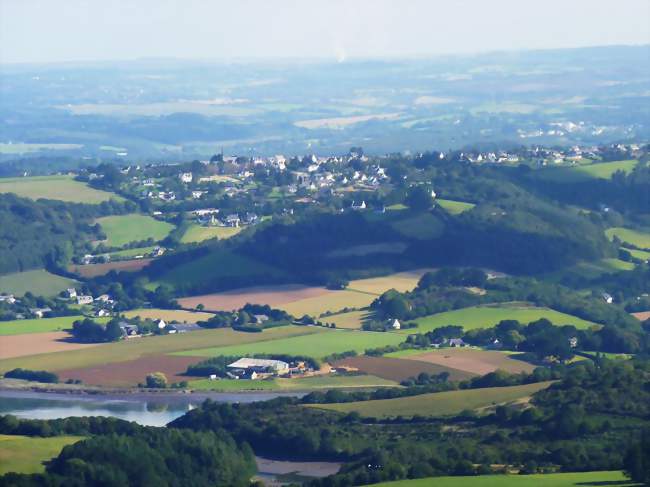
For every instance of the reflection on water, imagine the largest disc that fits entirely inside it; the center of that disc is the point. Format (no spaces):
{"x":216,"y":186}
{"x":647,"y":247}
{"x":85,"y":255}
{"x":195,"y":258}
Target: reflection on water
{"x":145,"y":409}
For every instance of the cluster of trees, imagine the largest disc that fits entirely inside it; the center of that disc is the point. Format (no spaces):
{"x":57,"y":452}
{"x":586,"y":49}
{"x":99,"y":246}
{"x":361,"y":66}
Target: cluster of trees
{"x":24,"y":305}
{"x":124,"y":454}
{"x":32,"y":375}
{"x":47,"y":233}
{"x":89,"y":331}
{"x":244,"y":318}
{"x":574,"y":426}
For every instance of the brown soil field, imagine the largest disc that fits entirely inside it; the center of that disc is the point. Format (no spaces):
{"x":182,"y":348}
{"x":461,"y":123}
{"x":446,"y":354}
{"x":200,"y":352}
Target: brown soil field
{"x":398,"y":369}
{"x":473,"y":361}
{"x":124,"y":374}
{"x":642,"y":316}
{"x":94,"y":270}
{"x":235,"y":299}
{"x":12,"y":346}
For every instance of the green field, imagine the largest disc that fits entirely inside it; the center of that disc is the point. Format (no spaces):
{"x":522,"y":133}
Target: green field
{"x":639,"y":254}
{"x":125,"y":350}
{"x":454,"y":207}
{"x":43,"y":325}
{"x":62,"y":188}
{"x":198,"y":233}
{"x":38,"y":282}
{"x":24,"y":454}
{"x":438,"y":403}
{"x":123,"y":229}
{"x":122,"y":254}
{"x":317,"y":345}
{"x":215,"y":265}
{"x":584,"y":172}
{"x":573,"y":479}
{"x":634,"y":237}
{"x":487,"y":316}
{"x":300,"y":384}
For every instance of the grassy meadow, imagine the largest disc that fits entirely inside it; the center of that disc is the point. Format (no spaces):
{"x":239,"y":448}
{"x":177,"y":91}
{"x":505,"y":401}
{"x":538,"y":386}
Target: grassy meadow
{"x":635,"y":237}
{"x":42,"y":325}
{"x":197,"y":233}
{"x":572,"y":479}
{"x":24,"y":454}
{"x":63,"y":188}
{"x":123,"y":229}
{"x":438,"y":403}
{"x":307,"y":383}
{"x":487,"y":316}
{"x":454,"y":207}
{"x":39,"y":282}
{"x":603,"y":170}
{"x":323,"y":342}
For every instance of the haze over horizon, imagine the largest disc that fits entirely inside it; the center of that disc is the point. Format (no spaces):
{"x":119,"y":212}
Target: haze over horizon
{"x":40,"y":31}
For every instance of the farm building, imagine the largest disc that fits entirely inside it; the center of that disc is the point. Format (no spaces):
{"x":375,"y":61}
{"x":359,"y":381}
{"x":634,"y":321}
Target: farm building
{"x":254,"y":367}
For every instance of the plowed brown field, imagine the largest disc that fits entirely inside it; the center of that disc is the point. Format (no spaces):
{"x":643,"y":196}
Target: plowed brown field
{"x":398,"y":369}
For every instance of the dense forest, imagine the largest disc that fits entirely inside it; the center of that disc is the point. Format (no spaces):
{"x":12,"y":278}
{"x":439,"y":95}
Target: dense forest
{"x":46,"y":233}
{"x":120,"y":453}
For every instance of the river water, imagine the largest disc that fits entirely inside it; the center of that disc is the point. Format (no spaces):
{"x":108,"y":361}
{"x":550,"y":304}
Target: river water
{"x":154,"y":410}
{"x":145,"y":409}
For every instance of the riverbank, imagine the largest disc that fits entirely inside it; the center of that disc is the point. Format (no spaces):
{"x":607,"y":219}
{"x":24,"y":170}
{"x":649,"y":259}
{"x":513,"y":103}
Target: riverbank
{"x":17,"y":385}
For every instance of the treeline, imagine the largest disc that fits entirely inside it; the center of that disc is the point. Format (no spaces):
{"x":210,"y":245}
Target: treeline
{"x":124,"y":454}
{"x":573,"y":426}
{"x":47,"y":233}
{"x":250,"y":318}
{"x":439,"y":291}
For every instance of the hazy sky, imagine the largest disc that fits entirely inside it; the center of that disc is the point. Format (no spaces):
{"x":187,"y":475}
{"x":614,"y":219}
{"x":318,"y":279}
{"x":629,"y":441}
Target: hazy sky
{"x":72,"y":30}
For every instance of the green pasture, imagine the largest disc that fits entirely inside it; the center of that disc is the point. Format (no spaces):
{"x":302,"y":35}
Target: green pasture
{"x":637,"y":238}
{"x":126,"y":350}
{"x":317,"y":345}
{"x":123,"y":229}
{"x":25,"y":454}
{"x":438,"y":403}
{"x":42,"y":325}
{"x":572,"y":479}
{"x":454,"y":207}
{"x":585,"y":172}
{"x":39,"y":282}
{"x":487,"y":316}
{"x":331,"y":381}
{"x":63,"y":188}
{"x":197,"y":233}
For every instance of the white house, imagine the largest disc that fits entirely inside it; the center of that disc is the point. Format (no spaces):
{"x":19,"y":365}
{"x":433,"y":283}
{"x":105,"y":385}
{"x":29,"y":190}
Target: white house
{"x":84,"y":299}
{"x":396,"y":325}
{"x":607,"y":298}
{"x":162,"y":324}
{"x":71,"y":292}
{"x":185,"y":177}
{"x":361,"y":206}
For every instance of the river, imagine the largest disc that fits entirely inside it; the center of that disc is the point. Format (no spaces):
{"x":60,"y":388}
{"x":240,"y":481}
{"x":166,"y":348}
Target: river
{"x":143,"y":408}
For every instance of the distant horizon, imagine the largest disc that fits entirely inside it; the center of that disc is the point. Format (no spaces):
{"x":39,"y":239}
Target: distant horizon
{"x":55,"y":31}
{"x":321,"y":59}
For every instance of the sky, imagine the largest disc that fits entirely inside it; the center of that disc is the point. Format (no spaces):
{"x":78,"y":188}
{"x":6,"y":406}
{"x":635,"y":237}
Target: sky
{"x":36,"y":31}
